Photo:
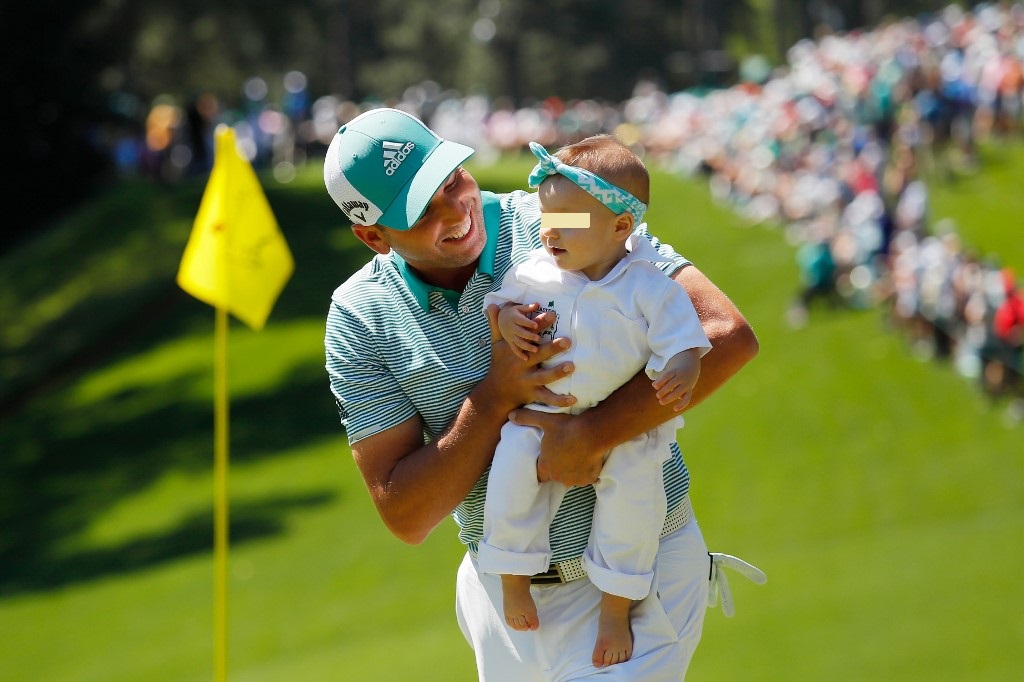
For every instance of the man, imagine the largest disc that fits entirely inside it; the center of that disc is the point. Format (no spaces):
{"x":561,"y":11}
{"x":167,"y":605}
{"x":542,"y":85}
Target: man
{"x":424,"y":384}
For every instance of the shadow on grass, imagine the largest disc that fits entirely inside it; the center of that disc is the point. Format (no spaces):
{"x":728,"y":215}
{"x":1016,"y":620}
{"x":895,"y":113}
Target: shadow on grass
{"x":95,"y":327}
{"x":63,"y":468}
{"x":43,"y":570}
{"x":79,"y":283}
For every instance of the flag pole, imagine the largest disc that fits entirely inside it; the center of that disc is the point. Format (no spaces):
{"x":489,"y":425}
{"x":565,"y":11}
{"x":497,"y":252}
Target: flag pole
{"x":220,"y":501}
{"x":236,"y":260}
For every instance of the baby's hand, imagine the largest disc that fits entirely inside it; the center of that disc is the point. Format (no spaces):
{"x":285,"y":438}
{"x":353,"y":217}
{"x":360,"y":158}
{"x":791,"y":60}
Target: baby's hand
{"x":675,"y":384}
{"x":517,"y":328}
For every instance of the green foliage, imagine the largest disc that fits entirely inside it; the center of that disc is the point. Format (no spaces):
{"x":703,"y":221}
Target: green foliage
{"x":880,"y":494}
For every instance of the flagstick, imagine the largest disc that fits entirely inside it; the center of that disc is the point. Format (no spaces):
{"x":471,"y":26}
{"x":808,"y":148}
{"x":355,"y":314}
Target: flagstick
{"x":220,"y":501}
{"x":230,"y":223}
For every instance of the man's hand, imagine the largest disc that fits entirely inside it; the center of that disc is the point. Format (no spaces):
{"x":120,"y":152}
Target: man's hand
{"x":566,"y":453}
{"x":415,"y":485}
{"x":513,"y":383}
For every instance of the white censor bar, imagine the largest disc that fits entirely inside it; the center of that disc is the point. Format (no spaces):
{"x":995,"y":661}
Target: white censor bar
{"x":564,"y":221}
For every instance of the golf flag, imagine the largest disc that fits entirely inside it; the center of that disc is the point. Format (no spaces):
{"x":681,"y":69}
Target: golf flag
{"x":236,"y":258}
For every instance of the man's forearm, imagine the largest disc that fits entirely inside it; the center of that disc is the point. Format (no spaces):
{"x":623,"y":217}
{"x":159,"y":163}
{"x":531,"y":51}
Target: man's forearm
{"x":733,"y":342}
{"x":425,"y":486}
{"x":629,"y":411}
{"x":634,"y":409}
{"x":415,"y":486}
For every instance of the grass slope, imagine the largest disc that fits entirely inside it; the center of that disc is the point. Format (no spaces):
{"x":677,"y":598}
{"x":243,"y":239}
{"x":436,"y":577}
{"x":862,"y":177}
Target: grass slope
{"x":880,"y":494}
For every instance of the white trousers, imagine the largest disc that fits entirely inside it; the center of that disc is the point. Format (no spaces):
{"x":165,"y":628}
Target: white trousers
{"x":666,"y":625}
{"x":627,"y":516}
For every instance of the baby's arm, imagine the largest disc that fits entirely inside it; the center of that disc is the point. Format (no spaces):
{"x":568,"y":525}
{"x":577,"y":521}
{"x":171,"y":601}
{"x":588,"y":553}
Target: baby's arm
{"x":516,"y":328}
{"x":676,"y":381}
{"x":674,"y":325}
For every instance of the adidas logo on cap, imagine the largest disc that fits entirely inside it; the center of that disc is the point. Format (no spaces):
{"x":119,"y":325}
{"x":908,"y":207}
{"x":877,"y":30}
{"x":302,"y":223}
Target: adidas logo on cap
{"x":394,"y":154}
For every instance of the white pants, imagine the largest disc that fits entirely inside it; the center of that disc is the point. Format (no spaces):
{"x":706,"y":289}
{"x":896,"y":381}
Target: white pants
{"x":666,"y":625}
{"x":627,"y":516}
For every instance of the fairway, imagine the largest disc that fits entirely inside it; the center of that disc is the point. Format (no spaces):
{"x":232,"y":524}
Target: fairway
{"x":881,"y":494}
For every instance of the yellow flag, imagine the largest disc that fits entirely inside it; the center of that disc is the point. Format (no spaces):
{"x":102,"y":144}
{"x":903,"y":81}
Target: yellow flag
{"x":236,"y":258}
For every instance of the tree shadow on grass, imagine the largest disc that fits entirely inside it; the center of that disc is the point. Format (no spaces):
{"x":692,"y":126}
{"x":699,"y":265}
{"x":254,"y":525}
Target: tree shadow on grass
{"x":150,"y":304}
{"x":64,"y":465}
{"x":46,"y":568}
{"x":64,"y":468}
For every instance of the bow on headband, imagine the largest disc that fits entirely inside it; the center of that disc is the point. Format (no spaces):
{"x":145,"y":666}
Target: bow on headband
{"x":615,"y":198}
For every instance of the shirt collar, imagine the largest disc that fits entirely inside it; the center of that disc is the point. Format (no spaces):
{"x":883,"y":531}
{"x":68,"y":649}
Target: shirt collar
{"x":485,"y":264}
{"x":638,"y":248}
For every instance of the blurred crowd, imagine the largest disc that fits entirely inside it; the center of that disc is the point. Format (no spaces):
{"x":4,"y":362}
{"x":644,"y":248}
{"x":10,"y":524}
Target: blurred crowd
{"x":168,"y":140}
{"x":832,"y":146}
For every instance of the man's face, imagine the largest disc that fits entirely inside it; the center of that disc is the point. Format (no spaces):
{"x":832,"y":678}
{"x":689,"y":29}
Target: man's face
{"x":450,"y":235}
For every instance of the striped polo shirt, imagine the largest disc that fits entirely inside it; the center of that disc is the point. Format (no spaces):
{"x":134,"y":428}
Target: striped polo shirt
{"x":397,"y":347}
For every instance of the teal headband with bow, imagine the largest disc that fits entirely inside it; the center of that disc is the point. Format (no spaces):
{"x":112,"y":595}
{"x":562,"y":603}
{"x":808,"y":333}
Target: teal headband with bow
{"x":615,"y":198}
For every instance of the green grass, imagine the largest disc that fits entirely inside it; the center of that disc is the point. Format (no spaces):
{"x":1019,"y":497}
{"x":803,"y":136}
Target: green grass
{"x":977,"y":202}
{"x":881,"y":494}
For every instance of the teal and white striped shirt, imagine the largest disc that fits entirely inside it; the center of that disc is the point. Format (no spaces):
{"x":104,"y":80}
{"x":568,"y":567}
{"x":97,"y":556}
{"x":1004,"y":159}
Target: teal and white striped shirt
{"x":397,"y":347}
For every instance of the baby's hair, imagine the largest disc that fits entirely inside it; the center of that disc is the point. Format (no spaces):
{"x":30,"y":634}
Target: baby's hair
{"x":612,"y":160}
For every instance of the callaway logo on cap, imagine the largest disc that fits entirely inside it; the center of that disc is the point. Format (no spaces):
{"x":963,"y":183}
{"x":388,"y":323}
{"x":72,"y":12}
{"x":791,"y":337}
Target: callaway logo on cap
{"x":384,"y":166}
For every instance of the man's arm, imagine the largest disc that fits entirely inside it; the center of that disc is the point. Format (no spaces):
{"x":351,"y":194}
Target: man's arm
{"x":733,"y":343}
{"x":573,"y":448}
{"x":415,"y":486}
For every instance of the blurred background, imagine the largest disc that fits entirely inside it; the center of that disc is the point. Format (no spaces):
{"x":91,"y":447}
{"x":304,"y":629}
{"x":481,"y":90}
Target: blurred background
{"x":850,"y":173}
{"x":84,"y":77}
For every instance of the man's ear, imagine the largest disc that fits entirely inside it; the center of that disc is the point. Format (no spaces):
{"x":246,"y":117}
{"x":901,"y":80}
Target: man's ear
{"x":373,"y":237}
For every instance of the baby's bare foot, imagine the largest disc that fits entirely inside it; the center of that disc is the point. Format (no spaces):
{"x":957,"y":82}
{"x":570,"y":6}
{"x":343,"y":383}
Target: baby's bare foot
{"x":614,"y":636}
{"x":520,"y":609}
